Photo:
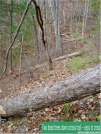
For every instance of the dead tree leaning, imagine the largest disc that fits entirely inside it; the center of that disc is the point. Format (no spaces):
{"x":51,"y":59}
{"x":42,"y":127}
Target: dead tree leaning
{"x":40,"y":22}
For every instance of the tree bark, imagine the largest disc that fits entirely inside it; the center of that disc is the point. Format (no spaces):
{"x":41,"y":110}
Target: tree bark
{"x":56,"y":21}
{"x":73,"y":88}
{"x":11,"y":33}
{"x":85,"y":16}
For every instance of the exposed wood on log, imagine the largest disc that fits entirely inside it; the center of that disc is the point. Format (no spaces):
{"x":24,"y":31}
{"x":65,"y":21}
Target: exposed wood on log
{"x":73,"y":88}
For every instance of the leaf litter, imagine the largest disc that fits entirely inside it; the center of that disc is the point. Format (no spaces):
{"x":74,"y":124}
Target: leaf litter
{"x":87,"y":109}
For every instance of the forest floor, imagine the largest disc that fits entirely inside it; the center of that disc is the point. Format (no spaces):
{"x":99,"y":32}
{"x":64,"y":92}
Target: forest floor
{"x":87,"y":109}
{"x":39,"y":77}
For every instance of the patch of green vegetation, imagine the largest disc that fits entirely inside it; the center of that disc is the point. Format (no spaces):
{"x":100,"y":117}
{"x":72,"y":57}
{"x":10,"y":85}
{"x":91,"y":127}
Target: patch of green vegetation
{"x":96,"y":28}
{"x":99,"y":117}
{"x":85,"y":41}
{"x":16,"y":118}
{"x":90,"y":112}
{"x":66,"y":107}
{"x":96,"y":5}
{"x":76,"y":64}
{"x":79,"y":63}
{"x":66,"y":111}
{"x":45,"y":77}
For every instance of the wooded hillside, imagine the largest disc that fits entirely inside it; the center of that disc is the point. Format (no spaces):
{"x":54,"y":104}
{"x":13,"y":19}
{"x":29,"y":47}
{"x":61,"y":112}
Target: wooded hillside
{"x":49,"y":62}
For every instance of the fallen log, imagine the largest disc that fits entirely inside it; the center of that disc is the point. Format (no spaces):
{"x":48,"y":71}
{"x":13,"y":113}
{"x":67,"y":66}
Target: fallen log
{"x":74,"y":54}
{"x":60,"y":58}
{"x":68,"y":56}
{"x":73,"y":88}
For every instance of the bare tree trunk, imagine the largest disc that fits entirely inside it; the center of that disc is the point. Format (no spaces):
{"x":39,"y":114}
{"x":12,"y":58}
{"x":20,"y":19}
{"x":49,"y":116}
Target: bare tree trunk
{"x":56,"y":26}
{"x":11,"y":24}
{"x":0,"y":45}
{"x":52,"y":5}
{"x":0,"y":55}
{"x":76,"y":35}
{"x":90,"y":7}
{"x":56,"y":22}
{"x":85,"y":16}
{"x":64,"y":17}
{"x":40,"y":22}
{"x":36,"y":35}
{"x":71,"y":26}
{"x":59,"y":49}
{"x":21,"y":52}
{"x":73,"y":88}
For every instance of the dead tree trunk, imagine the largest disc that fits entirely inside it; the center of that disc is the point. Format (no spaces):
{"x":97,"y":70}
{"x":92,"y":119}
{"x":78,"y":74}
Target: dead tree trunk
{"x":73,"y":88}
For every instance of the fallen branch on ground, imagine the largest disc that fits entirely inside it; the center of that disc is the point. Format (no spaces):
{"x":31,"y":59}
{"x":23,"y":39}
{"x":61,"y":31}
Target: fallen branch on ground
{"x":54,"y":60}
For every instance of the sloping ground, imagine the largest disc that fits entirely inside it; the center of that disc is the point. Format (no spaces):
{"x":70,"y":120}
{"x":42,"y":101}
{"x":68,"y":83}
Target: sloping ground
{"x":38,"y":77}
{"x":87,"y":109}
{"x":35,"y":77}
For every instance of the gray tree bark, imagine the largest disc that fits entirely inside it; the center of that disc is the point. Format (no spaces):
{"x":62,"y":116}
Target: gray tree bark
{"x":73,"y":88}
{"x":56,"y":21}
{"x":85,"y":16}
{"x":36,"y":35}
{"x":59,"y":49}
{"x":11,"y":34}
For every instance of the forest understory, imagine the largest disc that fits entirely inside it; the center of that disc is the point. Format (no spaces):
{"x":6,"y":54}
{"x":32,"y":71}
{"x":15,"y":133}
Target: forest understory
{"x":29,"y":70}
